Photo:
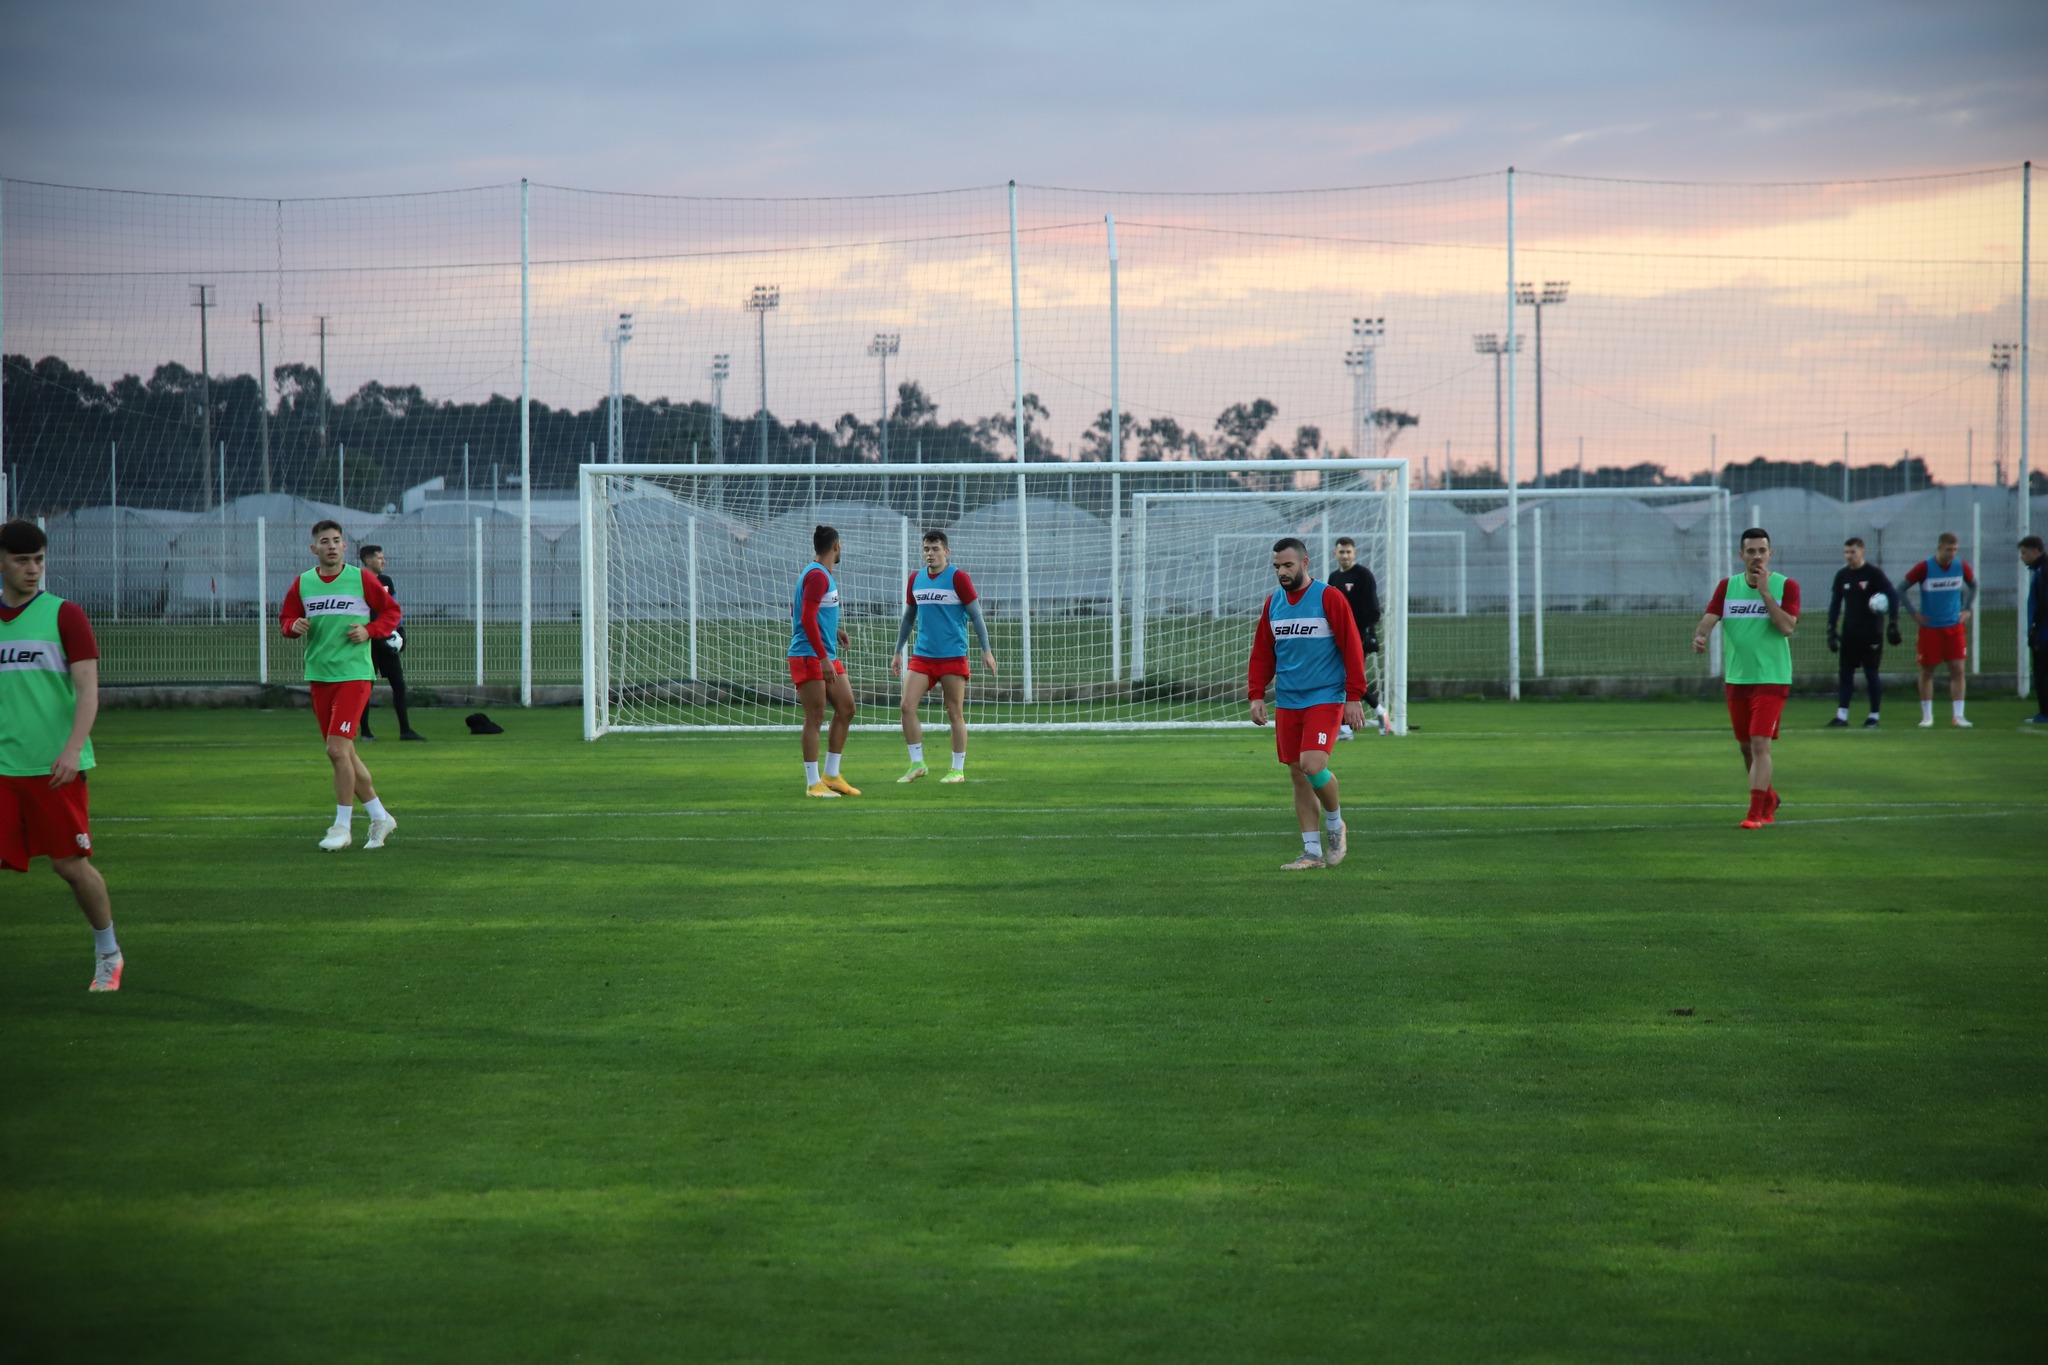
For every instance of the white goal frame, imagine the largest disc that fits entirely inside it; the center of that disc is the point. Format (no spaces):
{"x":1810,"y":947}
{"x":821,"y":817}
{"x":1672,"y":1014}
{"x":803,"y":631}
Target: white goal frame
{"x":1125,"y":581}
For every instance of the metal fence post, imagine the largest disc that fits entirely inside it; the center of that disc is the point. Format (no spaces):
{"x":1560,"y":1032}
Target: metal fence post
{"x":262,"y":602}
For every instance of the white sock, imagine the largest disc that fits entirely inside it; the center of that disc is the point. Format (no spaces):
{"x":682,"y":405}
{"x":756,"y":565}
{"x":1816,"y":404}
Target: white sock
{"x":959,"y":760}
{"x":1333,"y":818}
{"x":810,"y":774}
{"x":1927,"y":710}
{"x":344,"y":814}
{"x":916,"y":752}
{"x":1841,"y":713}
{"x":103,"y":941}
{"x":375,"y":806}
{"x":831,"y":765}
{"x":1957,"y":708}
{"x":1312,"y":843}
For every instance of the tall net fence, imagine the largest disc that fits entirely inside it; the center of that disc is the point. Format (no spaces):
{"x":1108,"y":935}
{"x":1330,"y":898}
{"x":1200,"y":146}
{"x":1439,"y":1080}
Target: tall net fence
{"x":1837,"y":358}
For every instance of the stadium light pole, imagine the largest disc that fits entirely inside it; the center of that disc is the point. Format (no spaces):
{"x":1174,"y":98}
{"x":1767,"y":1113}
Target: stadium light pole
{"x":263,"y":389}
{"x":202,"y":299}
{"x":615,"y":427}
{"x":721,"y":370}
{"x":1489,"y":343}
{"x":2002,"y":353}
{"x":1366,"y":335}
{"x":764,"y":298}
{"x":882,"y":347}
{"x":1552,"y":294}
{"x":322,"y":452}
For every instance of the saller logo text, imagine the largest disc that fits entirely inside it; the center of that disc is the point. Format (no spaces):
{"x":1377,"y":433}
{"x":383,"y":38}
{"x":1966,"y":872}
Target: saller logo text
{"x":14,"y":654}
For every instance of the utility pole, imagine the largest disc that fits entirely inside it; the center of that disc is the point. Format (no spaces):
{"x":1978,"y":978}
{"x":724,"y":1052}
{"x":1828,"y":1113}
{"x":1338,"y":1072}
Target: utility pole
{"x":764,"y":298}
{"x":615,"y":426}
{"x":263,"y":389}
{"x":1489,"y":343}
{"x":202,"y":299}
{"x":323,"y":387}
{"x":1526,"y":294}
{"x":882,"y":347}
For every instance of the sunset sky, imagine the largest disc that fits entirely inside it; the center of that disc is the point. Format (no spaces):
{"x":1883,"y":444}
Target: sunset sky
{"x":1767,"y":320}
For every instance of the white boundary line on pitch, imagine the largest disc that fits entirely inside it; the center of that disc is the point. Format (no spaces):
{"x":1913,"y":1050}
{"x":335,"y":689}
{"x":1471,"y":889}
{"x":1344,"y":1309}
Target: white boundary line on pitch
{"x":752,"y":812}
{"x":1378,"y":835}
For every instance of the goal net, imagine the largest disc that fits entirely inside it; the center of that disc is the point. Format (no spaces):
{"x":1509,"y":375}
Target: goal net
{"x":1116,"y":596}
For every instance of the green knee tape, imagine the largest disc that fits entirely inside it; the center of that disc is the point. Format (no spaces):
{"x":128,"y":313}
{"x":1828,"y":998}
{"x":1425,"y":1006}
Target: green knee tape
{"x":1321,"y":778}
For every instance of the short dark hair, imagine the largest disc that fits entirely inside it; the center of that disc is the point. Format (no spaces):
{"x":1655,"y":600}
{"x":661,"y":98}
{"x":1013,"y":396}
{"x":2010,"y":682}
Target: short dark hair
{"x":22,"y":537}
{"x":1347,"y":540}
{"x":2031,"y":543}
{"x":1755,"y":533}
{"x":823,"y":539}
{"x":363,"y":552}
{"x":1948,"y":538}
{"x":1857,"y":541}
{"x":329,"y":524}
{"x":937,"y":535}
{"x":1293,"y":543}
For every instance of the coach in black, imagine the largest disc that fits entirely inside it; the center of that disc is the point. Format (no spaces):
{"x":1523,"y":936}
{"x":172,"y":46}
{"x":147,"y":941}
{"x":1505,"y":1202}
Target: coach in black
{"x":384,"y":653}
{"x":1362,"y":593}
{"x":1856,"y":632}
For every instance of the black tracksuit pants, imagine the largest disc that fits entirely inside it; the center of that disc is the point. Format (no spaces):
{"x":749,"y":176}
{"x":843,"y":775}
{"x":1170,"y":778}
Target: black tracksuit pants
{"x":386,"y":661}
{"x":1865,"y":655}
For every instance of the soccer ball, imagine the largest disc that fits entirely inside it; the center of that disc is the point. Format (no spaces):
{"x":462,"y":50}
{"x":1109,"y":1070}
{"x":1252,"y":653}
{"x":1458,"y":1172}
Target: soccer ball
{"x":1879,"y":604}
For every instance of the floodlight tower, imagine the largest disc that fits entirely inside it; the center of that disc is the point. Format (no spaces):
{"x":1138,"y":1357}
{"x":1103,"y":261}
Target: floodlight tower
{"x":1366,"y":334}
{"x":263,"y":320}
{"x":1552,"y":294}
{"x":2002,"y":353}
{"x":1489,"y":343}
{"x":615,"y":427}
{"x":721,"y":370}
{"x":882,"y":347}
{"x":764,"y":298}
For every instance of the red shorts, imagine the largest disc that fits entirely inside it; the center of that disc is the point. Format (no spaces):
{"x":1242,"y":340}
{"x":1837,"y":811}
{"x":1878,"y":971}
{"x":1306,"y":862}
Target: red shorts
{"x":338,"y":706}
{"x":41,"y":821}
{"x":1941,"y":645}
{"x":1310,"y":728}
{"x":1754,"y":708}
{"x":805,"y":668}
{"x":941,"y":668}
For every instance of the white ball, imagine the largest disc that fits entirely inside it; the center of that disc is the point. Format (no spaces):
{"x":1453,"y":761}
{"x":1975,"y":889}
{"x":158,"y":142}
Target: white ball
{"x":1879,"y":604}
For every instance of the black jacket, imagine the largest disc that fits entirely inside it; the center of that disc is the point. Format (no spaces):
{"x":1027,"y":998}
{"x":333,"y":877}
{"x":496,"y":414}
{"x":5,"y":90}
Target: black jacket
{"x":1361,"y":593}
{"x":1850,"y":605}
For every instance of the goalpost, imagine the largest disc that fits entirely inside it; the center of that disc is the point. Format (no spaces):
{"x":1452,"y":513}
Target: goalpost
{"x":1098,"y":583}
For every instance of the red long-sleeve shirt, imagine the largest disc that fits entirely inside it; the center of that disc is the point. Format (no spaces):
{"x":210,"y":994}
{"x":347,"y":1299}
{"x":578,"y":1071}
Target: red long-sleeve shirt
{"x":385,"y":613}
{"x":1343,"y":633}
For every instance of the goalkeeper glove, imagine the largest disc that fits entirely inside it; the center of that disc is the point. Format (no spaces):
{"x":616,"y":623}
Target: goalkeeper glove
{"x":1891,"y":634}
{"x":1834,"y":641}
{"x":1370,"y":638}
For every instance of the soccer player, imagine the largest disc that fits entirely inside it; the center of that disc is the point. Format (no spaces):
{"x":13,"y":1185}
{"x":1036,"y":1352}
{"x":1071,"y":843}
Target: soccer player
{"x":939,"y":604}
{"x":2037,"y":622}
{"x":1362,"y":595}
{"x":1758,"y":612}
{"x":815,"y":641}
{"x":49,"y":698}
{"x":1308,"y":647}
{"x":338,"y":609}
{"x":384,"y":653}
{"x":1856,"y":632}
{"x":1948,"y":589}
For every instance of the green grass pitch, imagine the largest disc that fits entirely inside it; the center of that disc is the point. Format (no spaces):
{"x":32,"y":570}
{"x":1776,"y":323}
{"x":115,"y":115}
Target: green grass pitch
{"x":626,"y":1052}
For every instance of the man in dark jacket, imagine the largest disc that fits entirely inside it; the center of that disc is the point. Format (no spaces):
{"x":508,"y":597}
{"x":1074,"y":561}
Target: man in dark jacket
{"x":384,"y":653}
{"x":2037,"y":623}
{"x":1858,"y":633}
{"x":1362,"y":593}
